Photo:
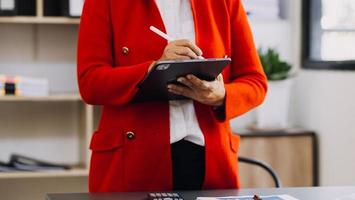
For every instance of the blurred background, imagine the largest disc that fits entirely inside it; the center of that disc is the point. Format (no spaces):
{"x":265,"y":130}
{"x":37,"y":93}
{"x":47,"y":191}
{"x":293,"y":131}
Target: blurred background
{"x":305,"y":129}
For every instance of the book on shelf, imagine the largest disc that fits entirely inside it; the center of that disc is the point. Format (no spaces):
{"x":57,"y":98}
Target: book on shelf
{"x":23,"y":163}
{"x":72,"y":8}
{"x":23,"y":86}
{"x":17,"y":7}
{"x":2,"y":85}
{"x":5,"y":167}
{"x":67,"y":8}
{"x":26,"y":7}
{"x":8,"y":7}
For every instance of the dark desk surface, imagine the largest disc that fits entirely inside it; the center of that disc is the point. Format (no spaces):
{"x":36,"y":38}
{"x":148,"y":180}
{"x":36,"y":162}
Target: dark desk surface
{"x":323,"y":193}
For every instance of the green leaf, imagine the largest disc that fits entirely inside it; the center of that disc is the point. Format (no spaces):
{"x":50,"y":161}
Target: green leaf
{"x":274,"y":67}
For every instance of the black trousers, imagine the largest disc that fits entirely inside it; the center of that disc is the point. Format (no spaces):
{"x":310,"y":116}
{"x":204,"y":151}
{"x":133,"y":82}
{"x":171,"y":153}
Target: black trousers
{"x":188,"y":165}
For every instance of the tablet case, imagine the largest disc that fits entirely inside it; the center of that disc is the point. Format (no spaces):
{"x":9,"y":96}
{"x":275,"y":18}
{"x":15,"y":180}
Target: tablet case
{"x":154,"y":85}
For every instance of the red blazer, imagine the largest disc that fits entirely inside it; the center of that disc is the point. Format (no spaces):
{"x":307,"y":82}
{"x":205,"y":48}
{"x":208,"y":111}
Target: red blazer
{"x":131,"y":149}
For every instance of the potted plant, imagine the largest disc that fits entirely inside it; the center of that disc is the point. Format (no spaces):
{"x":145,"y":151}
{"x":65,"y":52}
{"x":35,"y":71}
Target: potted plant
{"x":273,"y":113}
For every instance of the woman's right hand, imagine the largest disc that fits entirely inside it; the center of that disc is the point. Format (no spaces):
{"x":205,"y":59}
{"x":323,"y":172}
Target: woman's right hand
{"x":181,"y":50}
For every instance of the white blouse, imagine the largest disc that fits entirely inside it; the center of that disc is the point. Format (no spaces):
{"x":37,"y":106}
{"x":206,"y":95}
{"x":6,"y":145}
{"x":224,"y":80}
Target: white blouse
{"x":179,"y":24}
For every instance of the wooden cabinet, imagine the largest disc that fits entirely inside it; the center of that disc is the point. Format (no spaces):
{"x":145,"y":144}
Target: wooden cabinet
{"x":293,"y":155}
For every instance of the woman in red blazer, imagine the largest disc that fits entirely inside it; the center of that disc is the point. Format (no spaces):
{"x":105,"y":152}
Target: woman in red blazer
{"x":131,"y":150}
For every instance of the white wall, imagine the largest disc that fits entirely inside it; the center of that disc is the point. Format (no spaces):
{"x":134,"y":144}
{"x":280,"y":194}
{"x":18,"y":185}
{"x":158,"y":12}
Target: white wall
{"x":276,"y":34}
{"x":325,"y":102}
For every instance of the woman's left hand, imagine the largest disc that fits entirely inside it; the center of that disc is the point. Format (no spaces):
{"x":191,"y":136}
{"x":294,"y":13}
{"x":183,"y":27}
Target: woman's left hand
{"x":210,"y":93}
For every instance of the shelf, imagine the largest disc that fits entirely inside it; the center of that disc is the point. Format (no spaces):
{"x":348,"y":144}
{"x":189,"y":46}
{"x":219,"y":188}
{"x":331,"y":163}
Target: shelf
{"x":51,"y":98}
{"x":38,"y":20}
{"x":47,"y":174}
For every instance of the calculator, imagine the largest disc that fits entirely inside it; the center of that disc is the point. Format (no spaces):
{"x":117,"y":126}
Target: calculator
{"x":164,"y":196}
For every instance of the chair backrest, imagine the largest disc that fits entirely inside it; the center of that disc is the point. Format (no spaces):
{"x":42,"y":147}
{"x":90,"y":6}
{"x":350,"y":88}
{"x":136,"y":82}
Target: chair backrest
{"x":264,"y":166}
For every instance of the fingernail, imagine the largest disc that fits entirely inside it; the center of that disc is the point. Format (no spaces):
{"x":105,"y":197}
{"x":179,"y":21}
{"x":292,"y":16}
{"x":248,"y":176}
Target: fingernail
{"x":189,"y":76}
{"x":180,"y":80}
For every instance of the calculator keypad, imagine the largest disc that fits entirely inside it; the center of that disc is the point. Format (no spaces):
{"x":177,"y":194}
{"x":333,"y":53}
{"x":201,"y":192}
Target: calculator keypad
{"x":164,"y":196}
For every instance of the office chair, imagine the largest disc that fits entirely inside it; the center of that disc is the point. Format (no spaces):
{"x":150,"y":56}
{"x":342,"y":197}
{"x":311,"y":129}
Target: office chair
{"x":265,"y":166}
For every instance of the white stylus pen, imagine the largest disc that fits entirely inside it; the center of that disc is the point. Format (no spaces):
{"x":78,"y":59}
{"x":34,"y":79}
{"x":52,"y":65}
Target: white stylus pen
{"x":165,"y":36}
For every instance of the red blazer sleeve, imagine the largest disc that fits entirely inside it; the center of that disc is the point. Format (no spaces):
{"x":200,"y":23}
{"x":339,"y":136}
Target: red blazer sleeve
{"x":100,"y":82}
{"x":248,"y":85}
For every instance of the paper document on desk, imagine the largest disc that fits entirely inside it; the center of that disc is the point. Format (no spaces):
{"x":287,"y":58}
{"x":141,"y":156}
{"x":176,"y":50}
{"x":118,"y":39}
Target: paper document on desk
{"x":275,"y":197}
{"x":349,"y":197}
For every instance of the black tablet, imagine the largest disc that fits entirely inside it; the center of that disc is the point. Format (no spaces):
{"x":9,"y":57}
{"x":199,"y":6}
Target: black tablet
{"x":154,"y":85}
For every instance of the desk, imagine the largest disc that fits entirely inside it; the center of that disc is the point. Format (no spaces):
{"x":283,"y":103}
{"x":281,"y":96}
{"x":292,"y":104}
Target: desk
{"x":323,"y":193}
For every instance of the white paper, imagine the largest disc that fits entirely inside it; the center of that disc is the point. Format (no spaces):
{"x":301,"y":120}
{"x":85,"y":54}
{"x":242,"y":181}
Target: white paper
{"x":7,"y":4}
{"x":76,"y":7}
{"x":349,"y":197}
{"x":276,"y":197}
